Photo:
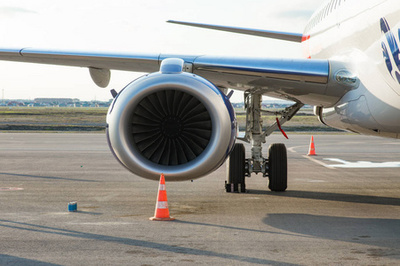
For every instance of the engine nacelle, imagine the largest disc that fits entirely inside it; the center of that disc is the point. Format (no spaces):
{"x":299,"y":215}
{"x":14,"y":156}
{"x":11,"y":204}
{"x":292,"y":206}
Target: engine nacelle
{"x":174,"y":123}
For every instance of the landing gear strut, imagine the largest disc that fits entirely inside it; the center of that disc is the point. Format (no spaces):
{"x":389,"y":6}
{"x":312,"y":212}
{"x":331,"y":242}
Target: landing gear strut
{"x":275,"y":167}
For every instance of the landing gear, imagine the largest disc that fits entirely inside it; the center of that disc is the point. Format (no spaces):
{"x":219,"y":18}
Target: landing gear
{"x":275,"y":167}
{"x":235,"y":170}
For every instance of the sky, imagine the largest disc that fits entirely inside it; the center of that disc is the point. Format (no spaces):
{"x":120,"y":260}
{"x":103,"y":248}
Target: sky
{"x":132,"y":26}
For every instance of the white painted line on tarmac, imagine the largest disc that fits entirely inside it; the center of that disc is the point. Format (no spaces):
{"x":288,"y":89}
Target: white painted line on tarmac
{"x":362,"y":164}
{"x":358,"y":164}
{"x":292,"y":149}
{"x":318,"y":162}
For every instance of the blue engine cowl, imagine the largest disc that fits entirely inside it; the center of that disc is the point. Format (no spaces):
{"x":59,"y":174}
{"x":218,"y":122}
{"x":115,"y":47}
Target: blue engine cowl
{"x":178,"y":124}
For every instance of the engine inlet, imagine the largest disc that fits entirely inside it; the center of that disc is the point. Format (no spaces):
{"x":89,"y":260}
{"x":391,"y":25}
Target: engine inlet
{"x":170,"y":127}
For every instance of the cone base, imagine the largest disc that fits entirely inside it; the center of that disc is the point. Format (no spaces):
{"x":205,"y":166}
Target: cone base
{"x":161,"y":219}
{"x":311,"y":154}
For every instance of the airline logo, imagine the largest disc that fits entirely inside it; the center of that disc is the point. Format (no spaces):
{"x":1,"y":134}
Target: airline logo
{"x":391,"y":50}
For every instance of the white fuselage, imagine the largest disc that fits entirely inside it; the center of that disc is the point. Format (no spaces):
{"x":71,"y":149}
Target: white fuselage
{"x":357,"y":34}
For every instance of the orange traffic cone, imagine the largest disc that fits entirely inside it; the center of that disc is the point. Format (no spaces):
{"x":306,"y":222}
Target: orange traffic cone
{"x":162,"y":211}
{"x":311,"y":151}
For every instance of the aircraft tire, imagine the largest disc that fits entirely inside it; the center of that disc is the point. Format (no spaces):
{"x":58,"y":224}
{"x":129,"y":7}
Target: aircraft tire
{"x":235,"y":171}
{"x":277,"y":167}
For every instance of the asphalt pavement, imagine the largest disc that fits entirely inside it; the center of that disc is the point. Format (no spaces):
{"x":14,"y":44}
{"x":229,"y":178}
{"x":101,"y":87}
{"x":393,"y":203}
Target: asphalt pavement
{"x":342,"y":207}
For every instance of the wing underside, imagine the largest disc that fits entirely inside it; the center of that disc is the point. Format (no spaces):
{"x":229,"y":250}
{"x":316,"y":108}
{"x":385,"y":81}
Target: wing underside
{"x":305,"y":81}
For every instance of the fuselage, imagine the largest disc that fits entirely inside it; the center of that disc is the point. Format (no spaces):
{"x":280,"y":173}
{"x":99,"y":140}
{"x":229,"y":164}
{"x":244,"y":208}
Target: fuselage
{"x":364,"y":35}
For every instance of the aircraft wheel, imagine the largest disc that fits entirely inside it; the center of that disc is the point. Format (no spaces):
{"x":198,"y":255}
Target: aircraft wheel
{"x":277,"y":167}
{"x":235,"y":170}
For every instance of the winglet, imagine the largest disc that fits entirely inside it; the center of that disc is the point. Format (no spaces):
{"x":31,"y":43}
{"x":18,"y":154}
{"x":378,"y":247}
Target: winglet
{"x":286,"y":36}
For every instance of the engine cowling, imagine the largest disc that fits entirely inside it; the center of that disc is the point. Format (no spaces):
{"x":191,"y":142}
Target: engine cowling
{"x":174,"y":123}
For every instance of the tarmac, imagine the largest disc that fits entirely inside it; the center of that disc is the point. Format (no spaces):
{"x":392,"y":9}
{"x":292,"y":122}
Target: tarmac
{"x":342,"y":207}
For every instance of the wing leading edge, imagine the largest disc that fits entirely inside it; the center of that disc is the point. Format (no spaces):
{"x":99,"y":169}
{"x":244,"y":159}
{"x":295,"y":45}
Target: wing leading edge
{"x":286,"y":36}
{"x":306,"y":81}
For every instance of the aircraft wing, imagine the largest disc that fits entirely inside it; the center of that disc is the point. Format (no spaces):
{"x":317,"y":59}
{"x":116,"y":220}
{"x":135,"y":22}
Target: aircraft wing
{"x":286,"y":36}
{"x":302,"y":80}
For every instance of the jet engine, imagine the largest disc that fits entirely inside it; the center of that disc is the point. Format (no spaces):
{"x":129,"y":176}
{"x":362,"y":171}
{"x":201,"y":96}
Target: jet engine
{"x":171,"y":122}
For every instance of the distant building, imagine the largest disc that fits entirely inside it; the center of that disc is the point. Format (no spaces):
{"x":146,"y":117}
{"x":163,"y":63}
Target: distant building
{"x":56,"y":101}
{"x":15,"y":103}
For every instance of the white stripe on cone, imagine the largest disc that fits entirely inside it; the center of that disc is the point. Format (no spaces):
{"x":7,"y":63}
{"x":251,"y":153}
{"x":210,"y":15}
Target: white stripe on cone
{"x":162,"y":205}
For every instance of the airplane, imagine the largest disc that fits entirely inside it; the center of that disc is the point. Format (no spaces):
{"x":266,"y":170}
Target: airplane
{"x":178,"y":119}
